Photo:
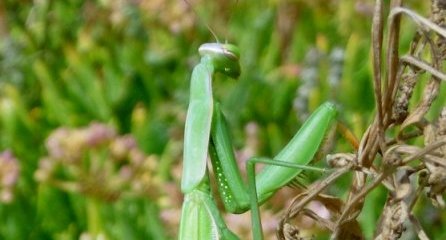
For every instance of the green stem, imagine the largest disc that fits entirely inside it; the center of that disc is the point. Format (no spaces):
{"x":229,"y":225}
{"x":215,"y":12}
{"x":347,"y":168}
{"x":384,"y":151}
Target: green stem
{"x":93,"y":216}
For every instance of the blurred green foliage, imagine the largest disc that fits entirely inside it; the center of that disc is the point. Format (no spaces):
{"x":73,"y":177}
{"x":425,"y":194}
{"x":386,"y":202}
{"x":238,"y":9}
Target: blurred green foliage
{"x":128,"y":63}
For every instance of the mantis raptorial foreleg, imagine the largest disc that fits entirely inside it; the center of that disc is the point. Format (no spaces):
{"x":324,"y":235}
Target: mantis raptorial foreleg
{"x":206,"y":131}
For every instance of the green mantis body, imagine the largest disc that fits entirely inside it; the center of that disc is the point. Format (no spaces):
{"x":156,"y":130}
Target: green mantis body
{"x":206,"y":133}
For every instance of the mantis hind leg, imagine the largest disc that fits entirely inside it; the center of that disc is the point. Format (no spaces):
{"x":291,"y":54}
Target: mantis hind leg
{"x":254,"y":201}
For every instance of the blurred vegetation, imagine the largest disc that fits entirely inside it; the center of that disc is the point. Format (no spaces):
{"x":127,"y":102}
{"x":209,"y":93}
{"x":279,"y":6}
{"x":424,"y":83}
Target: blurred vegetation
{"x":127,"y":64}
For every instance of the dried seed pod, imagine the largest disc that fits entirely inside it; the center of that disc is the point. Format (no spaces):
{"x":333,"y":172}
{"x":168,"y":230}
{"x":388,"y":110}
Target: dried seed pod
{"x":438,"y":16}
{"x":404,"y":188}
{"x":392,"y":159}
{"x":441,"y":130}
{"x":437,"y":183}
{"x":340,"y":160}
{"x":291,"y":232}
{"x":401,"y":106}
{"x":437,"y":46}
{"x":392,"y":221}
{"x":436,"y":173}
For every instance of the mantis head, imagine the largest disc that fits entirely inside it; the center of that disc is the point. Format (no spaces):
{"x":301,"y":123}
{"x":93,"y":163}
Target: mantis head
{"x":225,"y":57}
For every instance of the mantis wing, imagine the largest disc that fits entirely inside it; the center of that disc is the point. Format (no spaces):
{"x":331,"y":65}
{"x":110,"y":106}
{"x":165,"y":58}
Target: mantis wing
{"x":198,"y":127}
{"x":196,"y":220}
{"x":300,"y":150}
{"x":201,"y":219}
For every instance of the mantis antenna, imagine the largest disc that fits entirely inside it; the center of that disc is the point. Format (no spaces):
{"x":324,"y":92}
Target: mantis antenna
{"x":229,"y":20}
{"x":201,"y":19}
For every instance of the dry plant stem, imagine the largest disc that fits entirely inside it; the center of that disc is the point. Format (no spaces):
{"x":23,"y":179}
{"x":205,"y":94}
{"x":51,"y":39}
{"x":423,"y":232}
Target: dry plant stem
{"x":377,"y":35}
{"x":406,"y":149}
{"x":297,"y":204}
{"x":405,"y":95}
{"x":418,"y":228}
{"x":392,"y":53}
{"x":367,"y":157}
{"x":425,"y":151}
{"x":411,"y":204}
{"x":428,"y":156}
{"x":393,"y":86}
{"x":367,"y":143}
{"x":392,"y":56}
{"x":324,"y":222}
{"x":388,"y":171}
{"x":393,"y":92}
{"x":405,"y":136}
{"x":418,"y":44}
{"x":314,"y":192}
{"x":358,"y":197}
{"x":408,"y":59}
{"x":394,"y":21}
{"x":430,"y":91}
{"x":437,"y":160}
{"x":388,"y":183}
{"x":393,"y":62}
{"x":347,"y":134}
{"x":371,"y":143}
{"x":422,"y":22}
{"x":363,"y":157}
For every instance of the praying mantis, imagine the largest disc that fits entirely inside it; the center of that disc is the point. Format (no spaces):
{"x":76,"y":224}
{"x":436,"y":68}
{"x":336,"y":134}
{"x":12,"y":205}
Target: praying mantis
{"x":206,"y":133}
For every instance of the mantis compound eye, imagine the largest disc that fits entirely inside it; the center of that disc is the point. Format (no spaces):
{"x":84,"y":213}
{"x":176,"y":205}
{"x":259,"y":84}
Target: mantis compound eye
{"x":225,"y":57}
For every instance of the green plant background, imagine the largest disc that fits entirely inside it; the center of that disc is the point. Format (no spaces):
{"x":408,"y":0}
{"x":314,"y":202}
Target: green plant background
{"x":128,"y":64}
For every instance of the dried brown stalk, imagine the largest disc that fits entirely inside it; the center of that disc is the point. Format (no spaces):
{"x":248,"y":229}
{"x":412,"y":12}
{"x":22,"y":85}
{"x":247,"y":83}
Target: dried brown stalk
{"x":387,"y":154}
